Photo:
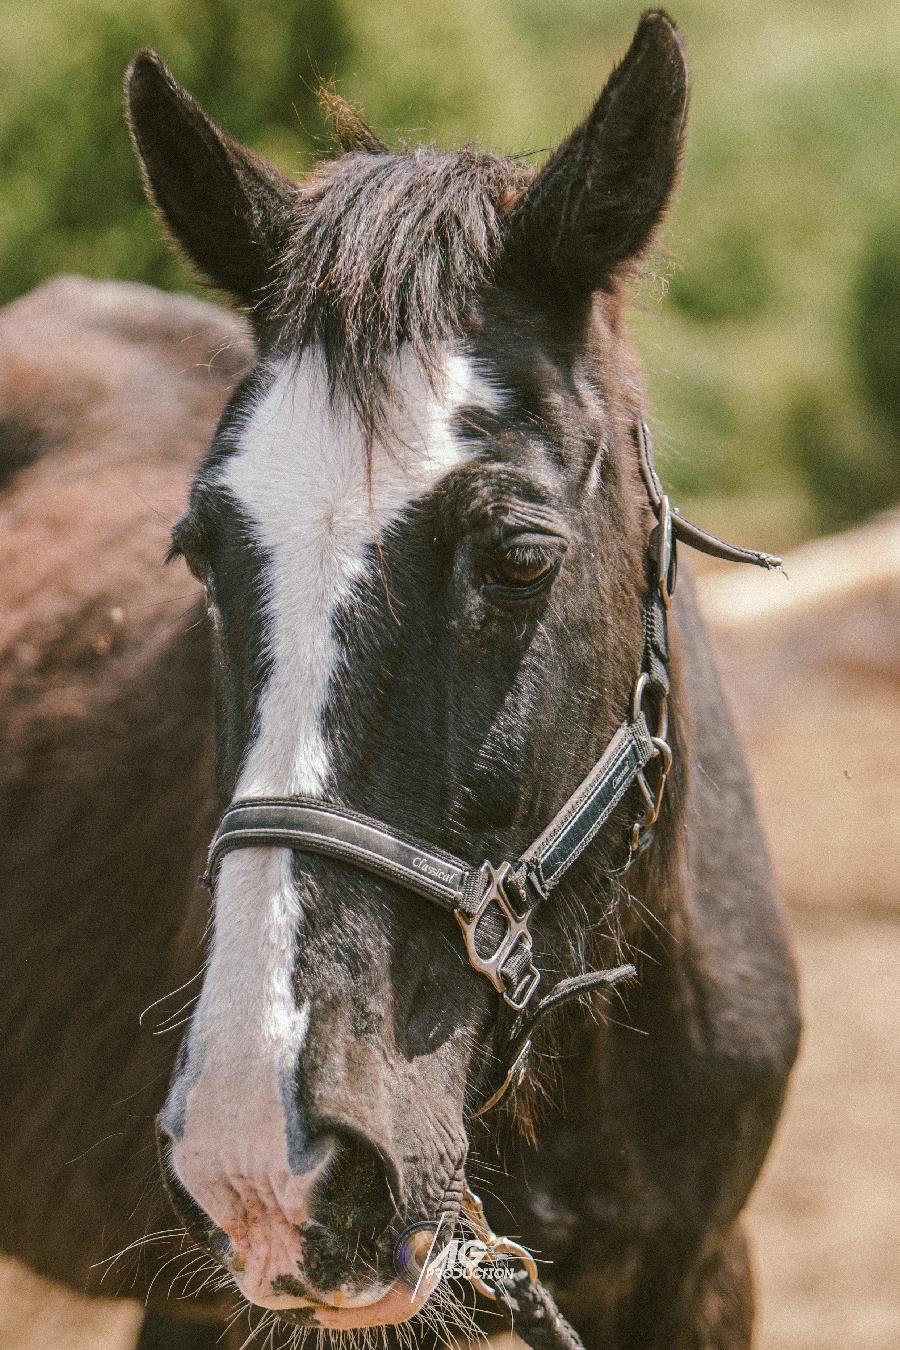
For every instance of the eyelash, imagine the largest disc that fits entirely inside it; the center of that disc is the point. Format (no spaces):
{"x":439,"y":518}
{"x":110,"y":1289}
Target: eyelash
{"x":520,"y":570}
{"x":196,"y":568}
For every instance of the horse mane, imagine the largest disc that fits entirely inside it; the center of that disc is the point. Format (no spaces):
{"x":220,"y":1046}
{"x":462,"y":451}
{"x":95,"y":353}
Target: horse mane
{"x":387,"y":248}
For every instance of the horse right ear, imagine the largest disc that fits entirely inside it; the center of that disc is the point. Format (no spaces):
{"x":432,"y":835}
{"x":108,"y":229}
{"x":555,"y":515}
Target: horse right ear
{"x":225,"y":207}
{"x":598,"y":200}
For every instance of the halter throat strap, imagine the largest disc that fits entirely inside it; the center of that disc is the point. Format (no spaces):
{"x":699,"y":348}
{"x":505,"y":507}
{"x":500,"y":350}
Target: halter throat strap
{"x":684,"y":530}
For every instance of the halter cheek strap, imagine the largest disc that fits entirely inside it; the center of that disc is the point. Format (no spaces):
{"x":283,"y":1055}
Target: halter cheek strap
{"x":493,"y":903}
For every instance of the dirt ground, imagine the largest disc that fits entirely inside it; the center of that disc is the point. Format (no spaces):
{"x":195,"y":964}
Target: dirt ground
{"x":826,"y":1216}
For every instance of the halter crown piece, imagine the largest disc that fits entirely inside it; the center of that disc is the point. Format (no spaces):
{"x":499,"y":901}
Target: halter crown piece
{"x":493,"y":902}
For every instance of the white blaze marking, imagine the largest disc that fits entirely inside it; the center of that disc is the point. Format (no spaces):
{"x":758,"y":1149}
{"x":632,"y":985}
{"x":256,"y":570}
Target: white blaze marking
{"x":299,"y":475}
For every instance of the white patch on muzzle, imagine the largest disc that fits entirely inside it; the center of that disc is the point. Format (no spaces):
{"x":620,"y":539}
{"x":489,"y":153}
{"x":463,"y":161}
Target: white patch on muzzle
{"x":299,"y":475}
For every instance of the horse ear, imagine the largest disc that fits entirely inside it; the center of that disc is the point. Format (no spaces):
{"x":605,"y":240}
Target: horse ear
{"x":602,"y":193}
{"x":227,"y":208}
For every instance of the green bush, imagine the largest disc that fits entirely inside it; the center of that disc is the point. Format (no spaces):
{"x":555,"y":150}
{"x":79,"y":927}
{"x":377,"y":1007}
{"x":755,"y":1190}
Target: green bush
{"x":726,"y":276}
{"x":70,"y":193}
{"x":875,"y":324}
{"x":849,"y":468}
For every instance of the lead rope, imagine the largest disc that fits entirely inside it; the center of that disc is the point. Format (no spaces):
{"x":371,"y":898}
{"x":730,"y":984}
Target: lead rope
{"x":535,"y":1316}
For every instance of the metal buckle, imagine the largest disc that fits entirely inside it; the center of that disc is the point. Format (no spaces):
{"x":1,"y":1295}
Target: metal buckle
{"x":666,"y":561}
{"x":494,"y":892}
{"x":495,"y":1246}
{"x":641,"y":830}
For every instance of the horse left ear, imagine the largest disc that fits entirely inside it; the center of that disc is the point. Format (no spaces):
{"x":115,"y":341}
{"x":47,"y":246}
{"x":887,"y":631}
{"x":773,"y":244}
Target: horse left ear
{"x":599,"y":198}
{"x":227,"y":209}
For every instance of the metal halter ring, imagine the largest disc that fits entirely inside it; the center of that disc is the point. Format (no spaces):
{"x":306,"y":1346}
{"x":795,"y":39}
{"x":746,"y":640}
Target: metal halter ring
{"x":667,"y":561}
{"x":654,"y":799}
{"x":661,"y":730}
{"x":495,"y":1246}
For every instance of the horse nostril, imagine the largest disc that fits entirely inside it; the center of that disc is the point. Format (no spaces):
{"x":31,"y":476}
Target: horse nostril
{"x":361,"y":1187}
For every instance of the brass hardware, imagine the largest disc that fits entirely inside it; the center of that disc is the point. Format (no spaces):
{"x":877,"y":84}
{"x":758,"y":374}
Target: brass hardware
{"x":495,"y":1246}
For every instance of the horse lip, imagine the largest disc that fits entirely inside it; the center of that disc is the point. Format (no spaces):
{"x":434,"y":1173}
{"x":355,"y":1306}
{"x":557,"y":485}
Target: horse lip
{"x":395,"y":1304}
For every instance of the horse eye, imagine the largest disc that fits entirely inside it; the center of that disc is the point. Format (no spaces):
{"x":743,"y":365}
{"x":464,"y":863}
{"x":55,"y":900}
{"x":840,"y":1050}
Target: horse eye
{"x":521,"y":569}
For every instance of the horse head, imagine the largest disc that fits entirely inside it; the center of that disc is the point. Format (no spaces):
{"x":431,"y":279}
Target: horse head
{"x":422,"y":533}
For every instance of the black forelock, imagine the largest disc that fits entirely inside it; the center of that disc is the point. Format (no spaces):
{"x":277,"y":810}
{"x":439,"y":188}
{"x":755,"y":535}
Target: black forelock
{"x":387,"y":249}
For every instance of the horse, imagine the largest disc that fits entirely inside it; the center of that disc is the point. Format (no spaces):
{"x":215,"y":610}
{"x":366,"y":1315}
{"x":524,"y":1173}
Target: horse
{"x":437,"y":573}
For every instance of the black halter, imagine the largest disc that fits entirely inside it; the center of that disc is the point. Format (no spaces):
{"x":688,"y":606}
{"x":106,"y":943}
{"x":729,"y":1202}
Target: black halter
{"x":493,"y":903}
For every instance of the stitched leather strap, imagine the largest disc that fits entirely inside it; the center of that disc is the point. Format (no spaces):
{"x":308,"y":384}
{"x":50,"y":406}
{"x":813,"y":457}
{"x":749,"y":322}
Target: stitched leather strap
{"x":319,"y":827}
{"x":592,"y":803}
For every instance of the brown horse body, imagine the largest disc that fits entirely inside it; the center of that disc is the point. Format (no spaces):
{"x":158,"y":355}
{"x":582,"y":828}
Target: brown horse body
{"x":108,"y":393}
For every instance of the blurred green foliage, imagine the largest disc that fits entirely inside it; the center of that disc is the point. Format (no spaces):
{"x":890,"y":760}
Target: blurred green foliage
{"x":876,"y":327}
{"x":773,"y":362}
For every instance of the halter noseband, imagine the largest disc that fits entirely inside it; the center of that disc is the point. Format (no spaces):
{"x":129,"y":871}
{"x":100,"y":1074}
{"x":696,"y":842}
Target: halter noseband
{"x":493,"y":903}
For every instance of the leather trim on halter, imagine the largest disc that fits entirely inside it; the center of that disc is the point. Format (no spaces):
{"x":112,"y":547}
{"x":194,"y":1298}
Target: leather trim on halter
{"x":483,"y":898}
{"x":321,"y":827}
{"x":592,"y":803}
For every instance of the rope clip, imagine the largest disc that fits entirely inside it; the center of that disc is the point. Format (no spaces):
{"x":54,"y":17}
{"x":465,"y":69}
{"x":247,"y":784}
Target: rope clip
{"x":495,"y":1247}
